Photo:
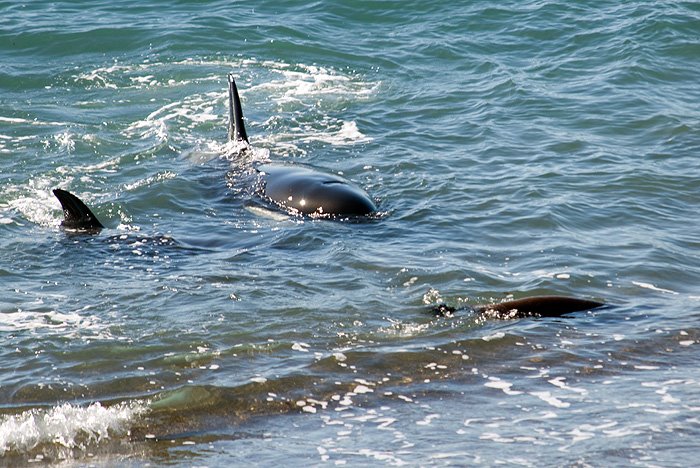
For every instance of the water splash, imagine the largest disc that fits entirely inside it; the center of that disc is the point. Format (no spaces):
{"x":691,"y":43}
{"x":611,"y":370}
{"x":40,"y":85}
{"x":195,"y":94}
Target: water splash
{"x":67,"y":426}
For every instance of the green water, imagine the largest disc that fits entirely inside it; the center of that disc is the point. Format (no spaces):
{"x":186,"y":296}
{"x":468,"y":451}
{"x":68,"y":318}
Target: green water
{"x":513,"y":149}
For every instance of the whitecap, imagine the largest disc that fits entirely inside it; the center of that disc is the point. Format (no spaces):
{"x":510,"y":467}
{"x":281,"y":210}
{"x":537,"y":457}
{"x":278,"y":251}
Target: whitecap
{"x":67,"y":425}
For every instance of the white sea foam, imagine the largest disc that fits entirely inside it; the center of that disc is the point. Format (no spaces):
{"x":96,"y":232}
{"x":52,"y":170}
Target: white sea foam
{"x":184,"y":114}
{"x":398,"y":328}
{"x":66,"y":141}
{"x":34,"y":201}
{"x":311,"y":81}
{"x":359,"y":389}
{"x":560,"y":382}
{"x":427,"y":420}
{"x":432,"y":297}
{"x":494,"y":336}
{"x":653,"y":288}
{"x":303,"y":347}
{"x":495,"y":437}
{"x":67,"y":425}
{"x":347,"y":134}
{"x":151,"y":180}
{"x":13,"y":120}
{"x":70,"y":324}
{"x":282,"y":84}
{"x":547,"y":397}
{"x":108,"y":165}
{"x":495,"y":382}
{"x":143,"y":75}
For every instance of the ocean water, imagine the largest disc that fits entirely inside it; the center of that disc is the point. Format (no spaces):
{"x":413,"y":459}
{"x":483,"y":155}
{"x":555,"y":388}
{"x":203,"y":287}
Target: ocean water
{"x":514,"y":148}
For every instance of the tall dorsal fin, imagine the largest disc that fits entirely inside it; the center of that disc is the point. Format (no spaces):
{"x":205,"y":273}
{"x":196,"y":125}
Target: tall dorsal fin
{"x":236,"y":128}
{"x":76,"y":214}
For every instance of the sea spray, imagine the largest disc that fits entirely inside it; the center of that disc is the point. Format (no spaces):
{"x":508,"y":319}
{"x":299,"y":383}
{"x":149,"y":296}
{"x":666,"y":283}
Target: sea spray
{"x":67,"y":426}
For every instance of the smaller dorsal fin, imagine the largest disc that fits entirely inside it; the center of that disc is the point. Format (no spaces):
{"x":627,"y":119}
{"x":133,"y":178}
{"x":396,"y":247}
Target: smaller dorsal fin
{"x":76,"y":214}
{"x":236,"y":128}
{"x":537,"y":306}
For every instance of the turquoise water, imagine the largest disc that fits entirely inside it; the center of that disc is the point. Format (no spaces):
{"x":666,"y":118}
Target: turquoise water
{"x":513,"y":148}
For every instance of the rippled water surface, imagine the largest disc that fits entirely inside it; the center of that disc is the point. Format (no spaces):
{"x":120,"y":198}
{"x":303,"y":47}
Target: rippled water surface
{"x":513,"y":148}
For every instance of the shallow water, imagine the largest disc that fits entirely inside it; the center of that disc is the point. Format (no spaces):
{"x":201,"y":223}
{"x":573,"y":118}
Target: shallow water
{"x":518,"y":148}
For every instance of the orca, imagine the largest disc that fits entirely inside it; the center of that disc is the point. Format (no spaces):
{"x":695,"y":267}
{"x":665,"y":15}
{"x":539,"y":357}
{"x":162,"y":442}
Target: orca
{"x":534,"y":306}
{"x":77,"y":216}
{"x":80,"y":221}
{"x":298,"y":189}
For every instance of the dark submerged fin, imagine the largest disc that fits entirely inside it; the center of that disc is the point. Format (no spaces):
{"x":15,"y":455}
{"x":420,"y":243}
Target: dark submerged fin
{"x":236,"y":128}
{"x":537,"y":306}
{"x":76,"y":214}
